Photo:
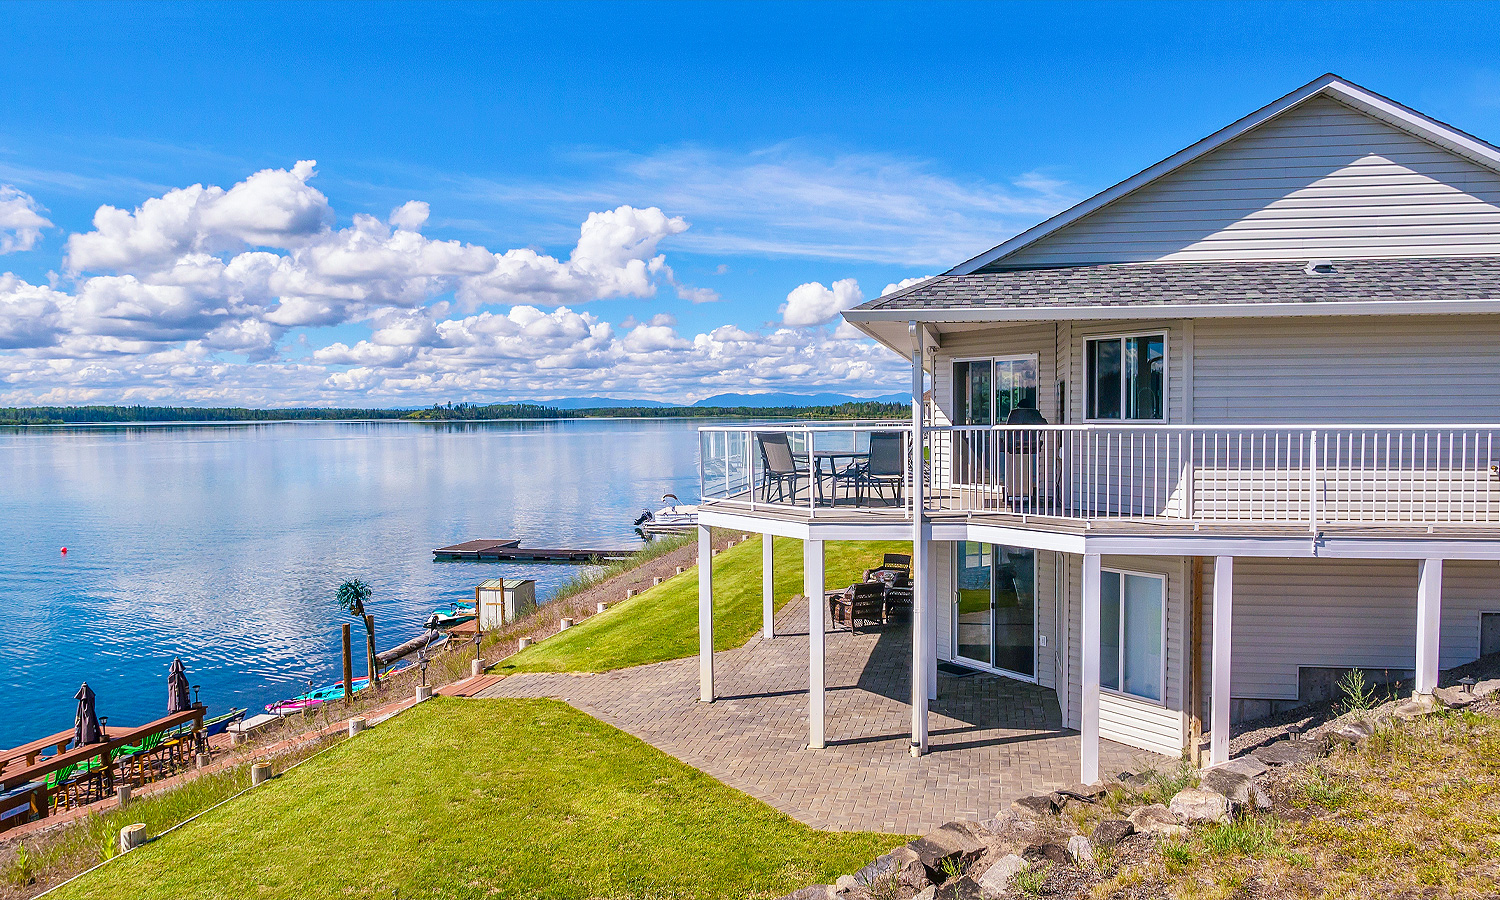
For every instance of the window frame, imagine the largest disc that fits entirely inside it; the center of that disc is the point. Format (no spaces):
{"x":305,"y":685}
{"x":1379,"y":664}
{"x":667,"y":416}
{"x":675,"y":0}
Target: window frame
{"x":1166,"y":375}
{"x":1120,"y":674}
{"x":1034,"y":358}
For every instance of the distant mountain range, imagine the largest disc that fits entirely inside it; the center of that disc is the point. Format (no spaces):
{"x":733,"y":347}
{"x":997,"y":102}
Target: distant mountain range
{"x":760,"y":400}
{"x":725,"y":400}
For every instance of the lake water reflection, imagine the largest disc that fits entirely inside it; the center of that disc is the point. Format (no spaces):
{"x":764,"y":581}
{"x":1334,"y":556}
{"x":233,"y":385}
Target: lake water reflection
{"x":224,"y":543}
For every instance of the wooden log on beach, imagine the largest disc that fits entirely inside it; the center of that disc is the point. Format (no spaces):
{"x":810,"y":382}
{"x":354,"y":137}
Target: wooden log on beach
{"x":386,"y":657}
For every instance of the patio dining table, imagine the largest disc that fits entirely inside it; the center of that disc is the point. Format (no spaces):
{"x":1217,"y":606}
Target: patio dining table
{"x":849,"y":458}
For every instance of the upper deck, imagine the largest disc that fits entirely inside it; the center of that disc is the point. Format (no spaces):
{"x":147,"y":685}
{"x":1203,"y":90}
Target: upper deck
{"x":1120,"y":479}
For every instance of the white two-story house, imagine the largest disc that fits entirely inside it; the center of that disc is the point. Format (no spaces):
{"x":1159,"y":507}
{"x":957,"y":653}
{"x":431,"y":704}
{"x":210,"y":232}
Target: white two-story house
{"x":1259,"y":394}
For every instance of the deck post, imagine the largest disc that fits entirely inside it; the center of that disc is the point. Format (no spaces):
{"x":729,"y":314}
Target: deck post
{"x":705,"y":615}
{"x":768,"y":585}
{"x":817,"y":612}
{"x":1429,"y":622}
{"x":932,"y":629}
{"x":1089,"y":675}
{"x":922,"y":641}
{"x":1218,"y":745}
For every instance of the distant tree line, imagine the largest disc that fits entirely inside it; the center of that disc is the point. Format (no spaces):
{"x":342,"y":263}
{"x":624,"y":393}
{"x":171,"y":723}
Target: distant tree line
{"x":463,"y":412}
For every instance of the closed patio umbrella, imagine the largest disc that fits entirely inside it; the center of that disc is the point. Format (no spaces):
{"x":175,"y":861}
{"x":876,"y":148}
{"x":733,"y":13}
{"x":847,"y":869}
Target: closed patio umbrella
{"x":177,"y":688}
{"x":86,"y":724}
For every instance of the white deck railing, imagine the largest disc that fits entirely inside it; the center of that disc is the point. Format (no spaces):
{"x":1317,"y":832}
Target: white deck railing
{"x":1261,"y":474}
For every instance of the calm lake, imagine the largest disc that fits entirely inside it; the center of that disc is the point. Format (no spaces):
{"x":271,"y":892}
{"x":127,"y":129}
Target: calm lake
{"x":224,"y":544}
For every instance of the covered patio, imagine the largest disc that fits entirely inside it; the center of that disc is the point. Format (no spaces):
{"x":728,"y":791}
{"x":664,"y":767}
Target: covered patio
{"x":991,"y":739}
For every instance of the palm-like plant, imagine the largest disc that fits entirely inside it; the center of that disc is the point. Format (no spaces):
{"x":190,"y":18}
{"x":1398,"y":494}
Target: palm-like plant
{"x":351,"y":597}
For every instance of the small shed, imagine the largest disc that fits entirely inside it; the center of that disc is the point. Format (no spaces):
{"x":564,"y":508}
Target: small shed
{"x":501,"y":601}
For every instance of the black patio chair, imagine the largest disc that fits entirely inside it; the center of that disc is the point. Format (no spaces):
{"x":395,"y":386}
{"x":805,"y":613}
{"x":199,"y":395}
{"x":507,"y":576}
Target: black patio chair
{"x":778,"y":466}
{"x":885,"y":467}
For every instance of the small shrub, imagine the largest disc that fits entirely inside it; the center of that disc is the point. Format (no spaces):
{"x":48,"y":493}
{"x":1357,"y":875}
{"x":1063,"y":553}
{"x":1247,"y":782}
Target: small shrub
{"x":1177,"y":855}
{"x":1359,"y":694}
{"x":950,"y":869}
{"x":19,"y":872}
{"x":1029,"y":880}
{"x":1320,"y":790}
{"x":1246,"y":838}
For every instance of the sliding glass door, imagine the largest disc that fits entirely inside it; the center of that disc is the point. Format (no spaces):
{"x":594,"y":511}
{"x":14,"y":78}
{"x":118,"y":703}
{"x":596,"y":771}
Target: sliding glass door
{"x":994,"y":607}
{"x":984,"y":393}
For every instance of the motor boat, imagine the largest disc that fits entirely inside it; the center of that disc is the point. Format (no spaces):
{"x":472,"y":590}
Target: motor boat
{"x":675,"y":517}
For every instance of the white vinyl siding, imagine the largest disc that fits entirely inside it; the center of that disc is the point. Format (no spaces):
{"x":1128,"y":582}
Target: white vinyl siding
{"x":1340,"y":612}
{"x":1159,"y":727}
{"x":1339,"y":369}
{"x":1321,"y":180}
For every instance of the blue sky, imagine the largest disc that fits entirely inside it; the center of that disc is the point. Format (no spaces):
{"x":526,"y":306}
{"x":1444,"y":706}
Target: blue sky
{"x":777,"y":161}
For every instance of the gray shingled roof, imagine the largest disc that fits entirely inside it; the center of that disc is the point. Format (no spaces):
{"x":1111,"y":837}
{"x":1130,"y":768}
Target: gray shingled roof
{"x":1167,"y":284}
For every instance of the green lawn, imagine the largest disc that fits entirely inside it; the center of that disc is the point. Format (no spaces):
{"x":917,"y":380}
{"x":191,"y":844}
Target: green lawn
{"x":662,"y":623}
{"x":514,"y":799}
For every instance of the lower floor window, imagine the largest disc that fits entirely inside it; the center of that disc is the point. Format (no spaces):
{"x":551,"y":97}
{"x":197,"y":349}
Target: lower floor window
{"x":1132,"y":608}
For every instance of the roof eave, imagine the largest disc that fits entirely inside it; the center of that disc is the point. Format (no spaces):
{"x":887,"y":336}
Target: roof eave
{"x":862,"y":318}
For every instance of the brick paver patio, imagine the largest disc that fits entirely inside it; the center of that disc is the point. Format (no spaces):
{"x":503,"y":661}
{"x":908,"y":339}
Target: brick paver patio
{"x":993,"y":739}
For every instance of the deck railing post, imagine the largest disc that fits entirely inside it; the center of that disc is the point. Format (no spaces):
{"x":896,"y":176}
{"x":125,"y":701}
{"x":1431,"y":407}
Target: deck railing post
{"x":1312,"y":482}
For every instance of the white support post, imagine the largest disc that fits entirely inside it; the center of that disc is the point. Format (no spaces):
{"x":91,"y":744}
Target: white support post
{"x":921,"y":620}
{"x":817,"y":612}
{"x":1089,"y":653}
{"x":768,"y":585}
{"x":1429,"y":622}
{"x":1218,"y":745}
{"x":705,"y":615}
{"x":932,"y":629}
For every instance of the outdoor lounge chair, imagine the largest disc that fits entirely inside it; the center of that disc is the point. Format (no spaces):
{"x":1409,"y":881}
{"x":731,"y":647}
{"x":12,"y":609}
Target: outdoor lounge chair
{"x":778,"y":466}
{"x":885,"y":467}
{"x":857,"y":603}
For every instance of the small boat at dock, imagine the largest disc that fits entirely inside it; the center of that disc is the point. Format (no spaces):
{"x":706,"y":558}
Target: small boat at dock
{"x":451,"y":615}
{"x":674,"y":518}
{"x":325,"y":694}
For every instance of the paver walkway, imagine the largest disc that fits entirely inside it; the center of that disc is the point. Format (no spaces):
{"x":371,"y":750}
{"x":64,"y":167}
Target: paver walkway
{"x":992,"y":739}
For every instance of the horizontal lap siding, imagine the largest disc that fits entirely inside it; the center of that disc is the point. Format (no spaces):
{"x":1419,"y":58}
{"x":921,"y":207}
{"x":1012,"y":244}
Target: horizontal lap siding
{"x":1137,"y":723}
{"x":1441,"y":369}
{"x":1319,"y":180}
{"x":1340,"y":613}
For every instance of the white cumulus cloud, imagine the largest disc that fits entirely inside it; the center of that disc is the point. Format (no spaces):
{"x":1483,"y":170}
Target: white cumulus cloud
{"x":814,"y":304}
{"x":21,"y":220}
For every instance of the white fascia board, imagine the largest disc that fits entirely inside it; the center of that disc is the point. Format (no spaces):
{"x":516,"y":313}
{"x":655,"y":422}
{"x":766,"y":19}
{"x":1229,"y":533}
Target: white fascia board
{"x":1413,"y":122}
{"x":1387,"y":110}
{"x":1036,"y":539}
{"x":1324,"y":546}
{"x":1174,"y":311}
{"x":750,"y":523}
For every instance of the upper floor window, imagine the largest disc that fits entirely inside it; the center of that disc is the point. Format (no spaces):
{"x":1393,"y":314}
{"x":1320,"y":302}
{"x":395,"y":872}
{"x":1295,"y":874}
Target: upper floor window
{"x":1127,"y":378}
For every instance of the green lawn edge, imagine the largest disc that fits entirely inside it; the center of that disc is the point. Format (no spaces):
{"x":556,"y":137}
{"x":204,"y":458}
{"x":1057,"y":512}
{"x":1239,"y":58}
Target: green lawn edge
{"x":661,"y":623}
{"x":521,"y":799}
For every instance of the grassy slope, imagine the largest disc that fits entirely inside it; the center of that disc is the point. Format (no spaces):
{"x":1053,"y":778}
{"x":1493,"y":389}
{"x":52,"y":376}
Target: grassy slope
{"x":662,"y":623}
{"x":478,"y":799}
{"x":1416,"y":813}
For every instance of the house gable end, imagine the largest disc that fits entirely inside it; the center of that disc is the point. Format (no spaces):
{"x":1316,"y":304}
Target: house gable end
{"x":1337,"y":173}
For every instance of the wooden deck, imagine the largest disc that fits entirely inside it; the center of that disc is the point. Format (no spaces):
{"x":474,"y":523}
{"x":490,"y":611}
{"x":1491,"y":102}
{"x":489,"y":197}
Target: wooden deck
{"x":496,"y":550}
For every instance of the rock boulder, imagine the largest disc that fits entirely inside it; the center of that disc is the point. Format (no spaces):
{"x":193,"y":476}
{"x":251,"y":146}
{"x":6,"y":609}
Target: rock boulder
{"x":1111,"y":832}
{"x":994,"y":881}
{"x":1199,"y":805}
{"x":1081,"y":850}
{"x":1157,"y":820}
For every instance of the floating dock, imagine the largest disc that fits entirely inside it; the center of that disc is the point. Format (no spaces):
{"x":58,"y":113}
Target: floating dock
{"x":511,"y":550}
